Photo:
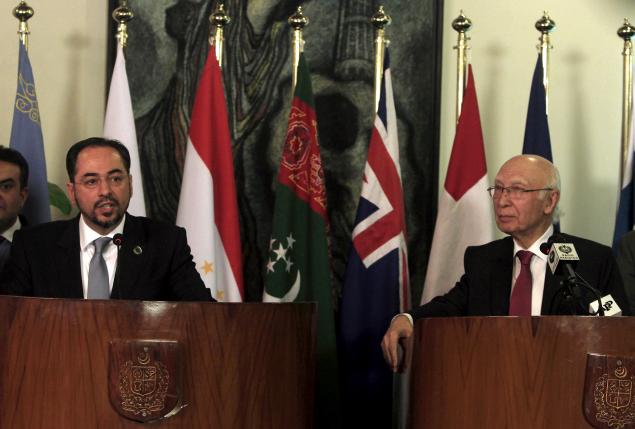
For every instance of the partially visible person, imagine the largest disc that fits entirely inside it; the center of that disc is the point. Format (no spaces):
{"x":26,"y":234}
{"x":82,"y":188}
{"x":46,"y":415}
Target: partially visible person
{"x":626,"y":262}
{"x":104,"y":252}
{"x":14,"y":176}
{"x":510,"y":276}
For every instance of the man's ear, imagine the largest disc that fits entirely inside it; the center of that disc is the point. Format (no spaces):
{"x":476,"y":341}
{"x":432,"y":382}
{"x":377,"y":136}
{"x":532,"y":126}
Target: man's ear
{"x":70,"y":190}
{"x":552,"y":201}
{"x":24,"y":194}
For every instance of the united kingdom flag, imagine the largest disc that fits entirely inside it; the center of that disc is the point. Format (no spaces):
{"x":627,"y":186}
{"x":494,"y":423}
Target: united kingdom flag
{"x":376,"y":282}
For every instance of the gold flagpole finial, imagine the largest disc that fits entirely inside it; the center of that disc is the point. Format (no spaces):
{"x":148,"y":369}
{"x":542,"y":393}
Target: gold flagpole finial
{"x":545,"y":25}
{"x":380,"y":21}
{"x":461,"y":24}
{"x":122,"y":15}
{"x":297,"y":21}
{"x":218,"y":20}
{"x":23,"y":12}
{"x":626,"y":32}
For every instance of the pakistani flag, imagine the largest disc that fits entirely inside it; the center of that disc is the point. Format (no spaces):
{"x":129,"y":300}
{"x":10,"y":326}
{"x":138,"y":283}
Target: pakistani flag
{"x":298,"y":268}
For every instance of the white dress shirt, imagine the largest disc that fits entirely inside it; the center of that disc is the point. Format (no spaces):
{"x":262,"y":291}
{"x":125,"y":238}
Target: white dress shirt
{"x":86,"y":237}
{"x":8,"y":233}
{"x":538,"y":267}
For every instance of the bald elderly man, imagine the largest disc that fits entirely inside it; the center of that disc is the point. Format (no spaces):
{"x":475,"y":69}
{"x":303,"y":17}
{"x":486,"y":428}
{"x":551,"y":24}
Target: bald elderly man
{"x":510,"y":276}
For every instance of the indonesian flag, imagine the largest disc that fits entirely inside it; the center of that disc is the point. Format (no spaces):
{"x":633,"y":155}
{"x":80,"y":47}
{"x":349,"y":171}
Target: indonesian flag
{"x":465,"y":209}
{"x":119,"y":125}
{"x":207,"y":205}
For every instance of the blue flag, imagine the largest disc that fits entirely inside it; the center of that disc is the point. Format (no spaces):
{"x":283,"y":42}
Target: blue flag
{"x":537,"y":140}
{"x":625,"y":219}
{"x":26,"y":138}
{"x":376,"y":280}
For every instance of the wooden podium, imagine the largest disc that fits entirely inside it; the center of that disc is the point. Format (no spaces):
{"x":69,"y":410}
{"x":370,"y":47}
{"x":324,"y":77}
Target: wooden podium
{"x":509,"y":372}
{"x":233,"y":366}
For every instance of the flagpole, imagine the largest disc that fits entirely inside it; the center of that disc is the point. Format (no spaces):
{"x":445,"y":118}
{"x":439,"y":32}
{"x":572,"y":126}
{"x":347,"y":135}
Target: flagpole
{"x":626,"y":32}
{"x":462,"y":25}
{"x":380,"y":20}
{"x":297,"y":21}
{"x":219,"y":19}
{"x":23,"y":12}
{"x":545,"y":25}
{"x":122,"y":15}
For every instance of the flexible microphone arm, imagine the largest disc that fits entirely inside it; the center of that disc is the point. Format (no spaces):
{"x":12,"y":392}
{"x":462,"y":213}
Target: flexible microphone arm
{"x":574,"y":279}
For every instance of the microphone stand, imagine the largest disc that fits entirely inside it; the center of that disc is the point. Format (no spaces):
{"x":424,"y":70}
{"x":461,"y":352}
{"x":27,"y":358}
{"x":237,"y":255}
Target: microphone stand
{"x":570,"y":291}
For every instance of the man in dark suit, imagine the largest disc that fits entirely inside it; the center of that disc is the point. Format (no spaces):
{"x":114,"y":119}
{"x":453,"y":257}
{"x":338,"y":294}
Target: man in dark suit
{"x":14,"y":176}
{"x":510,"y":276}
{"x":104,"y":252}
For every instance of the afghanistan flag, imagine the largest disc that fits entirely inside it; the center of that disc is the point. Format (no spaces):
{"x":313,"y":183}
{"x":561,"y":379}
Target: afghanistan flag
{"x":298,"y":268}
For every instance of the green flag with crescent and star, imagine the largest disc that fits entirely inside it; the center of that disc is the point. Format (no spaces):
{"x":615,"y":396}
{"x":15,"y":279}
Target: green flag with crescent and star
{"x":298,"y":268}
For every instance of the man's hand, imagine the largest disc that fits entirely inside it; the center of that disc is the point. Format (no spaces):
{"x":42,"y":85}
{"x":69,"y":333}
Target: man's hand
{"x":400,"y":329}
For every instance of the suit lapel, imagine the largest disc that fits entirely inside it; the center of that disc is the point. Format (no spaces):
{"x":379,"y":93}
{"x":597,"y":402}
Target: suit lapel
{"x":130,"y":259}
{"x":501,"y":281}
{"x":67,"y":260}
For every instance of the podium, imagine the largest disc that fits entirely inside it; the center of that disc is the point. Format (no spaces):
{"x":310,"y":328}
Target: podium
{"x":233,"y":366}
{"x":529,"y":372}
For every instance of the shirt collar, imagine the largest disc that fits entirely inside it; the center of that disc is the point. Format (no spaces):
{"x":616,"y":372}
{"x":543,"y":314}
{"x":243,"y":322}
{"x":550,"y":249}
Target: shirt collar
{"x":535,"y":246}
{"x":8,"y":233}
{"x":87,"y":235}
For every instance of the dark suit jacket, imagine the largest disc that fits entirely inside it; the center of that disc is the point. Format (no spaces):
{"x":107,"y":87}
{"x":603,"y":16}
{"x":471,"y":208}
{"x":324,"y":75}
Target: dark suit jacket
{"x":45,"y":262}
{"x":626,"y":262}
{"x":485,"y":288}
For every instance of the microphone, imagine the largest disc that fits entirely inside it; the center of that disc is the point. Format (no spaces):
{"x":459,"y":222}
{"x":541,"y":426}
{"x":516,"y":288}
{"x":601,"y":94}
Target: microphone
{"x":608,"y":304}
{"x":117,"y":240}
{"x":562,"y":260}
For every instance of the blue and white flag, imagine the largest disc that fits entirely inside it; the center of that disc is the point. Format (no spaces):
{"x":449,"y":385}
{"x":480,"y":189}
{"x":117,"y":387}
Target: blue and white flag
{"x":376,"y":280}
{"x":26,"y":138}
{"x":625,"y":219}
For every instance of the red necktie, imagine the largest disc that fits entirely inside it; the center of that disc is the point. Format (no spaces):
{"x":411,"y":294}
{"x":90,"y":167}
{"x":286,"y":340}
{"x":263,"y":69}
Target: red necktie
{"x":520,"y":304}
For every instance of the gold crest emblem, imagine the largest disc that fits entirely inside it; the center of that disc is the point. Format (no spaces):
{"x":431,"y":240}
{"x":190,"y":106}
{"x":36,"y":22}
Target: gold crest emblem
{"x":609,"y":391}
{"x":144,"y":379}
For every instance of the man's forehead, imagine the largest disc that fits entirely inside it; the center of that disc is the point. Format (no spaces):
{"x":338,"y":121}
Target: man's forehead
{"x":92,"y":157}
{"x":8,"y":169}
{"x":520,"y":172}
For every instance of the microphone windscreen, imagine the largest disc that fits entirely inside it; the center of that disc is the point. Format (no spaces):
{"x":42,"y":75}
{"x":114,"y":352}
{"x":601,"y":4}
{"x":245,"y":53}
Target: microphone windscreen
{"x":117,"y":240}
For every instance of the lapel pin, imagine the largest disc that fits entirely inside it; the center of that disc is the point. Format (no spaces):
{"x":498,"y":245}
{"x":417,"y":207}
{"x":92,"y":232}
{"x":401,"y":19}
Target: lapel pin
{"x":137,"y":250}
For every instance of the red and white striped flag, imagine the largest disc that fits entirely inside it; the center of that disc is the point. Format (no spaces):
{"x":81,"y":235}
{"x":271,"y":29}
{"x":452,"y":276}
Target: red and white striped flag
{"x":207,"y":205}
{"x":465,"y":214}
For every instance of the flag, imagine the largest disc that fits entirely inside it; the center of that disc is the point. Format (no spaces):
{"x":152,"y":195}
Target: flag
{"x":208,"y":209}
{"x":26,"y":138}
{"x":625,"y":218}
{"x":376,"y":279}
{"x":537,"y":140}
{"x":465,"y":214}
{"x":298,"y":268}
{"x":119,"y":125}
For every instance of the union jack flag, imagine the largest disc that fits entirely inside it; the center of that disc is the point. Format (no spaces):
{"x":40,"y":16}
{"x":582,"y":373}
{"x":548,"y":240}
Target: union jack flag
{"x":376,"y":282}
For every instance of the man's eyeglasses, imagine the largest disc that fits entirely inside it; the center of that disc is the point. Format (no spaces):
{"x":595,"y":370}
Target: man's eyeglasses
{"x":513,"y":192}
{"x":113,"y":180}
